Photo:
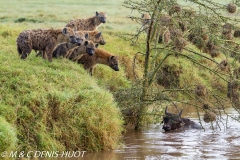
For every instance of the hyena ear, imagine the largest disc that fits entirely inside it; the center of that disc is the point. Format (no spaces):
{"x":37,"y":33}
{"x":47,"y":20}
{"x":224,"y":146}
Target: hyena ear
{"x":97,"y":13}
{"x":111,"y":57}
{"x":86,"y":35}
{"x":142,"y":16}
{"x":179,"y":114}
{"x":85,"y":43}
{"x":96,"y":45}
{"x":64,"y":31}
{"x":98,"y":35}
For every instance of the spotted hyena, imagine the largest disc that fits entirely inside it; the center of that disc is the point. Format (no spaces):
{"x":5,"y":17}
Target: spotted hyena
{"x":89,"y":24}
{"x":100,"y":57}
{"x":63,"y":48}
{"x":145,"y":21}
{"x":96,"y":37}
{"x":88,"y":47}
{"x":43,"y":39}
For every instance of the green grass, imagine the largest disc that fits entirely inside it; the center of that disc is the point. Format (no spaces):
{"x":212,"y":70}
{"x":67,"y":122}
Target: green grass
{"x":57,"y":13}
{"x":54,"y":104}
{"x":8,"y":139}
{"x":58,"y":105}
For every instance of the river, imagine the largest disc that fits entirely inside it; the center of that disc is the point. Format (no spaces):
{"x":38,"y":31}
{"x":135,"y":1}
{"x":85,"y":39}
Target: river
{"x":152,"y":143}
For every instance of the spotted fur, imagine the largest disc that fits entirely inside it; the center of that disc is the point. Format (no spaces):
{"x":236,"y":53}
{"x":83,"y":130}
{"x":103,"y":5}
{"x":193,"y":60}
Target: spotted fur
{"x":63,"y":48}
{"x":100,"y":57}
{"x":96,"y":37}
{"x":145,"y":21}
{"x":88,"y":24}
{"x":88,"y":48}
{"x":43,"y":39}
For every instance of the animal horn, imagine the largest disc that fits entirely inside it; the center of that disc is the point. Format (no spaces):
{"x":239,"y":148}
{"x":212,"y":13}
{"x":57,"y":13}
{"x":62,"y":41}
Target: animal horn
{"x":180,"y":113}
{"x":166,"y":110}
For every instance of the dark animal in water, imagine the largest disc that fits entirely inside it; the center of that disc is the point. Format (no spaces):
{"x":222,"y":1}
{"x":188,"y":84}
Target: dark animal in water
{"x":174,"y":121}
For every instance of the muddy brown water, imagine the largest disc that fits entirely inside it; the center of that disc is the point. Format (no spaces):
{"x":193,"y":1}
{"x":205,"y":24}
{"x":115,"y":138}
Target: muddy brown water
{"x":152,"y":143}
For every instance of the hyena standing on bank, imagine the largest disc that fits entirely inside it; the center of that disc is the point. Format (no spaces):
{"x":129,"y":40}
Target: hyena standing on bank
{"x":63,"y":48}
{"x":145,"y":20}
{"x":96,"y":37}
{"x":76,"y":53}
{"x":89,"y":24}
{"x":43,"y":39}
{"x":100,"y":57}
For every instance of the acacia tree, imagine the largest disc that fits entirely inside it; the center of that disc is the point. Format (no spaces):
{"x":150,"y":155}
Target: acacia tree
{"x":202,"y":32}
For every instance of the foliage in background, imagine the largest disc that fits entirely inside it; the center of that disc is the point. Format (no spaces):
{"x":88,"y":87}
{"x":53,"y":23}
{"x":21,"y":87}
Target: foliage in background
{"x":183,"y":41}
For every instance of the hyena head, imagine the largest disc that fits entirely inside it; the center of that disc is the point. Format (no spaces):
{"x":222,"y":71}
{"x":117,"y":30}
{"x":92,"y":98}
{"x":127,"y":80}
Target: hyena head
{"x":113,"y":63}
{"x":81,"y":37}
{"x":145,"y":19}
{"x":90,"y":47}
{"x":102,"y":16}
{"x":99,"y":38}
{"x":70,"y":34}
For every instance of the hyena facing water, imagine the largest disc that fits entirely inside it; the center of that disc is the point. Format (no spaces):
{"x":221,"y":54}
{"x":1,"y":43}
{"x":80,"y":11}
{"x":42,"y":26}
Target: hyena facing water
{"x":100,"y":57}
{"x":63,"y":48}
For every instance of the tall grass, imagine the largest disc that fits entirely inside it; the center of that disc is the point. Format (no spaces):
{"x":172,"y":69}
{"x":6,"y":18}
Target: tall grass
{"x":58,"y":105}
{"x":54,"y":106}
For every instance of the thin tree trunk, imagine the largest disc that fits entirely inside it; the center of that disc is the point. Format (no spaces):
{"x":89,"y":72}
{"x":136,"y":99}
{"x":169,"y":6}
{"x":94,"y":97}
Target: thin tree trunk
{"x":145,"y":86}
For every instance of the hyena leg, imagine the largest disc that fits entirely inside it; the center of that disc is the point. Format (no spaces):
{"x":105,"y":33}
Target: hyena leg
{"x":44,"y":54}
{"x":91,"y":71}
{"x":49,"y":54}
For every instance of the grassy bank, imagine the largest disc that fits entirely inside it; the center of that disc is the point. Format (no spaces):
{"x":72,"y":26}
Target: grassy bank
{"x":58,"y":106}
{"x":53,"y":106}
